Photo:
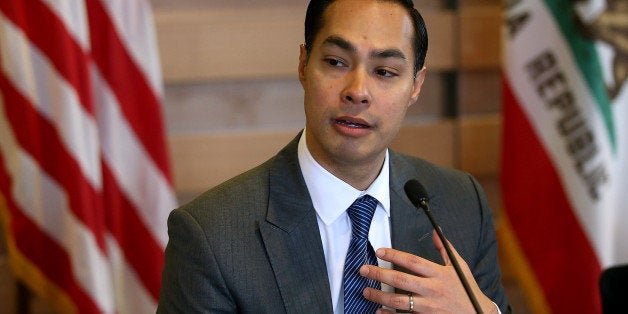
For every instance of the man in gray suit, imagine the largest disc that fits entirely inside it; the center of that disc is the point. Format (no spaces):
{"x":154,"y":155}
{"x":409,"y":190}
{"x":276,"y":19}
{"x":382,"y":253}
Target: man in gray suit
{"x":274,"y":239}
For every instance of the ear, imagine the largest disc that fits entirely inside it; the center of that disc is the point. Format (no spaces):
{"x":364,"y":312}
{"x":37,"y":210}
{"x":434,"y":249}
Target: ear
{"x":302,"y":62}
{"x":418,"y":82}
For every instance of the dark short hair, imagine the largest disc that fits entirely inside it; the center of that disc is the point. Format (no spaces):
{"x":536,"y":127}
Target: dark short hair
{"x":314,"y":23}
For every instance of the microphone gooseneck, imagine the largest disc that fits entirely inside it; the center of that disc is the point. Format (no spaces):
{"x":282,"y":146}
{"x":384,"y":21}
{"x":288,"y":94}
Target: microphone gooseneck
{"x":419,"y":197}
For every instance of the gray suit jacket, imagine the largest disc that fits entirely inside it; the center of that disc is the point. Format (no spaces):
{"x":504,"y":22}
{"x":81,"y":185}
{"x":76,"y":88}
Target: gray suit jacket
{"x":252,"y":244}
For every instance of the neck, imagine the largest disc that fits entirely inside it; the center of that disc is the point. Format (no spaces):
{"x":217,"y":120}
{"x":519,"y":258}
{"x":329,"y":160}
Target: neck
{"x":358,"y":176}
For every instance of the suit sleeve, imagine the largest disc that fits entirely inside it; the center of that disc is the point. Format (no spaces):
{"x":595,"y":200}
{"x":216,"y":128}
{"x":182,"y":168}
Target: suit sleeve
{"x":486,"y":268}
{"x":191,"y":281}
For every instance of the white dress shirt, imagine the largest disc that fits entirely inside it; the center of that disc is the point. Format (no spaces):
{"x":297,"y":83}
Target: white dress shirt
{"x":331,"y":198}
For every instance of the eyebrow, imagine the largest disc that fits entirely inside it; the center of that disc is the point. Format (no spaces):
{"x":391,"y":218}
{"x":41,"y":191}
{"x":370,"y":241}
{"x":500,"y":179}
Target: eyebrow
{"x":377,"y":54}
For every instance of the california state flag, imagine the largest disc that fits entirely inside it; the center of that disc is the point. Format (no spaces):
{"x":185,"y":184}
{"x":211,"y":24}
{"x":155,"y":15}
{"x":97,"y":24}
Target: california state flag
{"x":565,"y":157}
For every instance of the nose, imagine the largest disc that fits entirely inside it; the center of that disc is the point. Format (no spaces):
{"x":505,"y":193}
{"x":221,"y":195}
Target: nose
{"x":356,"y":90}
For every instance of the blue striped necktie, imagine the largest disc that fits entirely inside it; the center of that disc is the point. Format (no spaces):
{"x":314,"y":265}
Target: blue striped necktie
{"x":360,"y":252}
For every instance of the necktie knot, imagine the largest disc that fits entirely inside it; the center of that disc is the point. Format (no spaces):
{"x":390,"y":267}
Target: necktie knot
{"x":361,"y":214}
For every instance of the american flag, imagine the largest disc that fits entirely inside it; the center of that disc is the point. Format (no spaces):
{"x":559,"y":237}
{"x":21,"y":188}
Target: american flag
{"x":85,"y":184}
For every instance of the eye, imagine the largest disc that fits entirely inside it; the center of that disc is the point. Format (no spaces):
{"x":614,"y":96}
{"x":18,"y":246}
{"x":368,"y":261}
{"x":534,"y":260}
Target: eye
{"x":334,"y":62}
{"x":385,"y":73}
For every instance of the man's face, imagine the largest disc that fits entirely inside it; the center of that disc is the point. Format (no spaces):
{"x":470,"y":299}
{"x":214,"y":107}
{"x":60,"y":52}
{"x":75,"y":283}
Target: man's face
{"x":358,"y":82}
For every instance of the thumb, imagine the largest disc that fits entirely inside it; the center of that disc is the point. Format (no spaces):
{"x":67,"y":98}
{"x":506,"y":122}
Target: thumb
{"x":443,"y":253}
{"x":484,"y":300}
{"x":440,"y":247}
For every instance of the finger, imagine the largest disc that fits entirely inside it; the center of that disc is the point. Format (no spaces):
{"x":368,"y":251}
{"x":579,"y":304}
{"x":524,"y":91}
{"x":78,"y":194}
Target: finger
{"x":441,"y":247}
{"x":416,"y":264}
{"x":388,"y":299}
{"x":394,"y":278}
{"x":443,"y":252}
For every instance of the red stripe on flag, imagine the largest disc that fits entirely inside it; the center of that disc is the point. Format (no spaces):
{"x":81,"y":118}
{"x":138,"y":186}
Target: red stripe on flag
{"x":550,"y":235}
{"x":137,"y":100}
{"x":51,"y":259}
{"x":47,"y":32}
{"x":134,"y":239}
{"x":42,"y":141}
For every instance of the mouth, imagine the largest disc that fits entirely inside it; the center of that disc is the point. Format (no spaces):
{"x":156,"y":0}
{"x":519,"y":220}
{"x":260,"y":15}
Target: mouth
{"x":358,"y":124}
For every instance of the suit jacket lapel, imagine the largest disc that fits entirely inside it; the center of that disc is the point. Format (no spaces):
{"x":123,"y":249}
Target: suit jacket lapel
{"x":293,"y":243}
{"x":411,"y":230}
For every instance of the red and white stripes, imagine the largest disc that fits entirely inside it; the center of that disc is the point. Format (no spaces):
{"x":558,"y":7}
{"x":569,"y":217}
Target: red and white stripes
{"x":84,"y":170}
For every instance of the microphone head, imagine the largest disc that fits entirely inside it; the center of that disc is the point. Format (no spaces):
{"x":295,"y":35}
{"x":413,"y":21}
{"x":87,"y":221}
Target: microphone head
{"x":415,"y":192}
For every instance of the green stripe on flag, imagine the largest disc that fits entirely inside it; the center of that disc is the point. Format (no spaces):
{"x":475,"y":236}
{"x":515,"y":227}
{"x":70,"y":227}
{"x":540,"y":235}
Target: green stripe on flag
{"x":587,"y":59}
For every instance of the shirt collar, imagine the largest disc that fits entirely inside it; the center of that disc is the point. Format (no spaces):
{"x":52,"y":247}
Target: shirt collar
{"x":331,"y":196}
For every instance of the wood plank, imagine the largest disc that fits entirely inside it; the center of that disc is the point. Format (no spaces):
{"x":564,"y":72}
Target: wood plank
{"x":480,"y":36}
{"x":203,"y":161}
{"x":227,"y":43}
{"x":441,"y":30}
{"x":434,"y":141}
{"x":480,"y":144}
{"x":480,"y":91}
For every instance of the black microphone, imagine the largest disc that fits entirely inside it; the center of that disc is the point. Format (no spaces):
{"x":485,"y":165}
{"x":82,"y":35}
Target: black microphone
{"x":418,"y":196}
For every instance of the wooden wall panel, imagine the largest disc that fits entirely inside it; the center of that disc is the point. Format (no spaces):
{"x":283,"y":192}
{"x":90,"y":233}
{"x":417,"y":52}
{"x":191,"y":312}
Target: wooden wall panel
{"x":211,"y":107}
{"x":480,"y":91}
{"x":480,"y":144}
{"x":202,"y":161}
{"x":441,"y":28}
{"x":249,"y":43}
{"x":480,"y":36}
{"x":229,"y":43}
{"x":433,"y":141}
